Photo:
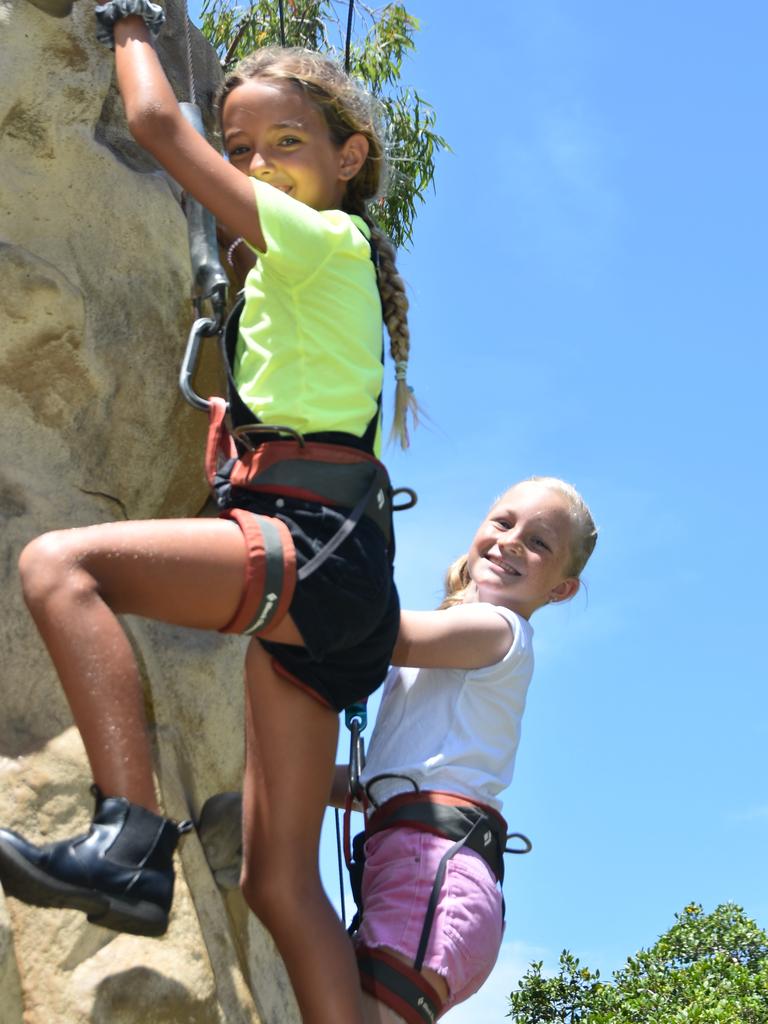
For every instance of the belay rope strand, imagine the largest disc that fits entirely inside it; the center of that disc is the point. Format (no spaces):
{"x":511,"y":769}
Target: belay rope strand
{"x":209,"y":280}
{"x":350,"y":14}
{"x":356,"y":719}
{"x":190,"y":65}
{"x":348,"y":39}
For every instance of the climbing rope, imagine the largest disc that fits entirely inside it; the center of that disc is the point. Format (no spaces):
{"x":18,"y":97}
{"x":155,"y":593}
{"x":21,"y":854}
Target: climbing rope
{"x":356,"y":719}
{"x":209,"y":280}
{"x":190,"y":67}
{"x":348,"y":40}
{"x":350,"y":13}
{"x":340,"y":866}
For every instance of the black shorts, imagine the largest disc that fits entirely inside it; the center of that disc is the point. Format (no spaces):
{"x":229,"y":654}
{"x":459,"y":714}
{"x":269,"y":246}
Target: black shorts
{"x":347,"y":610}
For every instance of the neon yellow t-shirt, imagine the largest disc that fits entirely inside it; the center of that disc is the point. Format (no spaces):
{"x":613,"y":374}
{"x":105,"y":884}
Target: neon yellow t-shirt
{"x":308,"y":354}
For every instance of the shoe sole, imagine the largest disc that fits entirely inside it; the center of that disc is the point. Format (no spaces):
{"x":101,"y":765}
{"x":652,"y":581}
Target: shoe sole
{"x":29,"y":884}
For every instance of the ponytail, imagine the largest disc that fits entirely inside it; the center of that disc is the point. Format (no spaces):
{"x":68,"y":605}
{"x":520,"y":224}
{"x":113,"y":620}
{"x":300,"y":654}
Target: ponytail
{"x":457,"y":582}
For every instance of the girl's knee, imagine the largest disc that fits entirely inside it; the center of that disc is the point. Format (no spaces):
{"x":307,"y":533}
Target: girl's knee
{"x":48,"y":564}
{"x":263,"y":896}
{"x":276,"y":896}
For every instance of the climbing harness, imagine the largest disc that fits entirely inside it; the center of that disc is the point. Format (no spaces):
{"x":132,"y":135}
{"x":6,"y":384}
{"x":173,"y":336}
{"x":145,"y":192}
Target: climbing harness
{"x":330,"y":468}
{"x":470,"y":826}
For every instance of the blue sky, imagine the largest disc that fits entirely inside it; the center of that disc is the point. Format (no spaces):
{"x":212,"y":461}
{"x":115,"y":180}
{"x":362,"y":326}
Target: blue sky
{"x":588,"y":300}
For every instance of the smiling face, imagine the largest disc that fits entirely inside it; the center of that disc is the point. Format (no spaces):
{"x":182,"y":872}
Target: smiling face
{"x":519,"y":557}
{"x":273,"y":132}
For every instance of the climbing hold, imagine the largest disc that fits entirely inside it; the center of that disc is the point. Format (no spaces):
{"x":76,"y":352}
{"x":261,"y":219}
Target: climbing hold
{"x":56,"y":8}
{"x":220,"y":829}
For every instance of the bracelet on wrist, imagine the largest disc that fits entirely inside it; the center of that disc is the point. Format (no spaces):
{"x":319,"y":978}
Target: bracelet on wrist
{"x":231,"y":250}
{"x":107,"y":14}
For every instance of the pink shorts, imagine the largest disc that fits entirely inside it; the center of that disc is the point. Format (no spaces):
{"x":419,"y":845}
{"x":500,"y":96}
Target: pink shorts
{"x":400,"y":869}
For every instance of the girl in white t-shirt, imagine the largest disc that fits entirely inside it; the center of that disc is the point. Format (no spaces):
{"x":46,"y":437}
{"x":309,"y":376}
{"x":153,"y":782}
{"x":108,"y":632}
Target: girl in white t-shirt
{"x":444,"y":748}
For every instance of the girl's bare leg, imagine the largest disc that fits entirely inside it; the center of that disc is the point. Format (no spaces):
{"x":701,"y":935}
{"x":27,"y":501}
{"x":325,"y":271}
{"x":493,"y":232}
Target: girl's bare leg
{"x":76,"y":582}
{"x":290,"y":753}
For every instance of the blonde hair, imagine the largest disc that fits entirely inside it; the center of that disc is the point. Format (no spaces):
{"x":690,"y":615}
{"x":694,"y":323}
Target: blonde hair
{"x":583,"y":540}
{"x":348,"y":110}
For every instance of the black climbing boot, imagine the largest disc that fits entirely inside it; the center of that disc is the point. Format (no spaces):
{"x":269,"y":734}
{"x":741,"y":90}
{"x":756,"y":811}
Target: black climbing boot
{"x":120,"y":874}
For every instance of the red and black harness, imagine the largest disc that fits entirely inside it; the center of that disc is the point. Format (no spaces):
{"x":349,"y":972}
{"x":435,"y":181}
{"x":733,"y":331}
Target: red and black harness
{"x":330,"y":468}
{"x":471,"y":826}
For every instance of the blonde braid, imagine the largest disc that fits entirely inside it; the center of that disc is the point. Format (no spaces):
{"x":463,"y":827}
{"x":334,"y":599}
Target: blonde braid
{"x":394,"y":307}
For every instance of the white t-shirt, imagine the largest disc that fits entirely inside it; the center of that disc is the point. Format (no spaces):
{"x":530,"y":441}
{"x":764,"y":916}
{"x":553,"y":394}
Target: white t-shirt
{"x":455,"y":730}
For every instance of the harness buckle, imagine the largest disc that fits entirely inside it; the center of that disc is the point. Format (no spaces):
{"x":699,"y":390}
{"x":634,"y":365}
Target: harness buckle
{"x":241,"y":434}
{"x":412,"y":498}
{"x":526,"y":847}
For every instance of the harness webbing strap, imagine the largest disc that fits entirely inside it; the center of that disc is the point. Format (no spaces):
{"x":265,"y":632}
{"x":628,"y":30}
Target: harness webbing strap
{"x":449,"y":816}
{"x":341,"y":534}
{"x":326,"y":473}
{"x":398,"y":986}
{"x":219,"y":445}
{"x":270,"y":572}
{"x":426,"y":928}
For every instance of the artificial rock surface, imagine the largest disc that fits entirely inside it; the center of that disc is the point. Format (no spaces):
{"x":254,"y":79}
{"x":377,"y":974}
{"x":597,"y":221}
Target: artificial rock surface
{"x":94,"y":312}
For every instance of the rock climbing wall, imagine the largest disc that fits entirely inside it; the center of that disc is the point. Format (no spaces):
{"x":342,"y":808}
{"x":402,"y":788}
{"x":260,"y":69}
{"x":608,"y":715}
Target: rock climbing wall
{"x":94,"y":312}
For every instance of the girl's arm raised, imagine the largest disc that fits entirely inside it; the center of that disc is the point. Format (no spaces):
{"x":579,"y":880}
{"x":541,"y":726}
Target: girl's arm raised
{"x":465,"y":636}
{"x":157,"y":124}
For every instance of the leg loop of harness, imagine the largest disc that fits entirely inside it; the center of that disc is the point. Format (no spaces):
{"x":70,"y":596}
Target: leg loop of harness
{"x":270,"y":572}
{"x":398,"y":986}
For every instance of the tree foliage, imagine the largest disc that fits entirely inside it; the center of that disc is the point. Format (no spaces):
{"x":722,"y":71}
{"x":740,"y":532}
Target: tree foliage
{"x":376,"y":56}
{"x":707,"y":969}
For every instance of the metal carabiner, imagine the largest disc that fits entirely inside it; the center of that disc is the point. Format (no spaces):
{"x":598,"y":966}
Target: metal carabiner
{"x":242,"y":433}
{"x":356,"y":758}
{"x":203,"y":327}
